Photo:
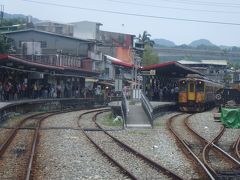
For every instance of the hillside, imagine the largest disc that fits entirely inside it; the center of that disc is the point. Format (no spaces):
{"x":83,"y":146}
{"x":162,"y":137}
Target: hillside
{"x":164,"y":42}
{"x":18,"y":16}
{"x":201,"y":42}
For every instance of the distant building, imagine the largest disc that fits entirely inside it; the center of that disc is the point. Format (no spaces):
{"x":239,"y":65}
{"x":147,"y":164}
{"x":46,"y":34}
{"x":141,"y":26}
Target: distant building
{"x":213,"y":69}
{"x":50,"y":48}
{"x":86,"y":30}
{"x":118,"y":45}
{"x":54,"y":27}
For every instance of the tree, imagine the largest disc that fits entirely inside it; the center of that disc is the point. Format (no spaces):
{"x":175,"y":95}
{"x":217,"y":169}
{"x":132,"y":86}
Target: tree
{"x":145,"y":38}
{"x":4,"y":46}
{"x":227,"y":78}
{"x":10,"y":22}
{"x":149,"y":56}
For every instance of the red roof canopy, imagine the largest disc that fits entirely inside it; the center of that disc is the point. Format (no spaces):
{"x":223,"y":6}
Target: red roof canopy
{"x":121,"y":63}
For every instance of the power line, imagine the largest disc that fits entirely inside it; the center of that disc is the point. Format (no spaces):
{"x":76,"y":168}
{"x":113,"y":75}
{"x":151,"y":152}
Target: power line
{"x":231,"y":5}
{"x":134,"y":14}
{"x":174,"y":8}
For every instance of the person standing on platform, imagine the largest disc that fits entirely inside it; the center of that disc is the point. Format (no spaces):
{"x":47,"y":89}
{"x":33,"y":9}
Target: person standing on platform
{"x":58,"y":91}
{"x":1,"y":91}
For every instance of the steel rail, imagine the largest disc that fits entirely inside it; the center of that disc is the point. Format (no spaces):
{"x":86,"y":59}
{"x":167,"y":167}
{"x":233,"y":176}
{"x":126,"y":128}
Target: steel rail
{"x":147,"y":159}
{"x":128,"y":173}
{"x":204,"y":168}
{"x":13,"y":133}
{"x":237,"y":148}
{"x":36,"y":138}
{"x":207,"y":148}
{"x":213,"y":145}
{"x":34,"y":144}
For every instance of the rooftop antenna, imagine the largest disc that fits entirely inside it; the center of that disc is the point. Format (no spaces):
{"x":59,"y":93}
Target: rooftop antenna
{"x":2,"y":12}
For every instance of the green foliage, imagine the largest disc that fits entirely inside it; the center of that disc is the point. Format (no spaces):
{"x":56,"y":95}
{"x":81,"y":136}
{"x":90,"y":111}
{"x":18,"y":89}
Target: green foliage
{"x":4,"y":46}
{"x":10,"y":22}
{"x":149,"y":56}
{"x":145,"y":38}
{"x":108,"y":121}
{"x":233,"y":64}
{"x":227,"y":78}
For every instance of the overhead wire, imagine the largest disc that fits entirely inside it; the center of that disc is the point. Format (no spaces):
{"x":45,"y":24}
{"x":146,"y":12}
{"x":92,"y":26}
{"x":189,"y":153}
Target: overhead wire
{"x":174,"y":8}
{"x":204,"y":3}
{"x":134,"y":14}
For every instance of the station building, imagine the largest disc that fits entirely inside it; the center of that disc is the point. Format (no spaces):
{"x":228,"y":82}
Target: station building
{"x":49,"y":61}
{"x":216,"y":70}
{"x":45,"y":62}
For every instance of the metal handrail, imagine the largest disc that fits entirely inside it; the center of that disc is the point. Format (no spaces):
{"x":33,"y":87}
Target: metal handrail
{"x":147,"y":106}
{"x":124,"y":109}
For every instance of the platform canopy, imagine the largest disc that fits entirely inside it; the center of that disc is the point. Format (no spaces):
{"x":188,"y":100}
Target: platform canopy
{"x":169,"y":69}
{"x":12,"y":62}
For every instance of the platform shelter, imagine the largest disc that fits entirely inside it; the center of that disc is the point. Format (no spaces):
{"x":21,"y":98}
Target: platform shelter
{"x":21,"y":78}
{"x":160,"y":81}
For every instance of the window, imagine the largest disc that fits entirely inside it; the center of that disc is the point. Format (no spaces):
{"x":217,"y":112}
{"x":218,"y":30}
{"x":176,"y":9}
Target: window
{"x":20,"y":44}
{"x":59,"y":30}
{"x":191,"y":87}
{"x":43,"y":44}
{"x":199,"y":86}
{"x":183,"y":86}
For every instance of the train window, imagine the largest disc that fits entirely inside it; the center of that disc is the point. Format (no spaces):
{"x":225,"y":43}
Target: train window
{"x":199,"y":86}
{"x":191,"y":87}
{"x":183,"y":86}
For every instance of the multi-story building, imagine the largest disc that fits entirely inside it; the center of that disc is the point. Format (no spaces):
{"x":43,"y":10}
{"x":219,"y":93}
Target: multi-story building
{"x":215,"y":70}
{"x":54,"y":27}
{"x":86,"y":30}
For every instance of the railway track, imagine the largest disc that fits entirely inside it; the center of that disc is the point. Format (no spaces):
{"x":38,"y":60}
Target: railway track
{"x":18,"y":149}
{"x":235,"y":149}
{"x":131,"y":162}
{"x":192,"y":150}
{"x":202,"y":155}
{"x":19,"y":144}
{"x":226,"y":166}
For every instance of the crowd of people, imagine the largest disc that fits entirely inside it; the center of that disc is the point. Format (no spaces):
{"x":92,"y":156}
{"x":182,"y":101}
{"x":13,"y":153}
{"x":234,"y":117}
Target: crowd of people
{"x":162,"y":90}
{"x":12,"y":90}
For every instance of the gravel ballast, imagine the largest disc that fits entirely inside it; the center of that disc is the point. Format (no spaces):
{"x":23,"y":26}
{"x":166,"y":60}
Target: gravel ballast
{"x":68,"y":154}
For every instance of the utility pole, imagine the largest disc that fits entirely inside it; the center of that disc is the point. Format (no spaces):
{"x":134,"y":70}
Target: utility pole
{"x":138,"y":52}
{"x":2,"y":13}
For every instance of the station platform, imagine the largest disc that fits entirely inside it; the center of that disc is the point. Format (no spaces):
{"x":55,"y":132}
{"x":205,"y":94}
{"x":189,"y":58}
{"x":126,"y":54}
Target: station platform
{"x":27,"y":101}
{"x":137,"y":117}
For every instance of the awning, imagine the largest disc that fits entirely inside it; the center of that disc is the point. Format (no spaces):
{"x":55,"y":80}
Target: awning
{"x":90,"y":80}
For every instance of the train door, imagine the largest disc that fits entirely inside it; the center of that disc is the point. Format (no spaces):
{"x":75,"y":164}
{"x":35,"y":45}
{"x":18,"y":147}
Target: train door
{"x":191,"y":91}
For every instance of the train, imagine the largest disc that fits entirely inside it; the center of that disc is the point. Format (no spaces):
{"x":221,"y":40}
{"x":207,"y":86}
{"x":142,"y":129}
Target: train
{"x":197,"y":93}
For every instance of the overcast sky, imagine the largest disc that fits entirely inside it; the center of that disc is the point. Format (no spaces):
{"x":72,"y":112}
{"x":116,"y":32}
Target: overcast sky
{"x":181,"y":32}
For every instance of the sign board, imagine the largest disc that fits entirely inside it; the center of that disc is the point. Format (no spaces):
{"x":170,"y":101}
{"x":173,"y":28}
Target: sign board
{"x":118,"y":85}
{"x":149,"y":73}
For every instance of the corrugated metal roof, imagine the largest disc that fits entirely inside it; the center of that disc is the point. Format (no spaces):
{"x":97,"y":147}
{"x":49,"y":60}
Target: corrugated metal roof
{"x":210,"y":62}
{"x":188,"y":62}
{"x":49,"y":33}
{"x":215,"y":62}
